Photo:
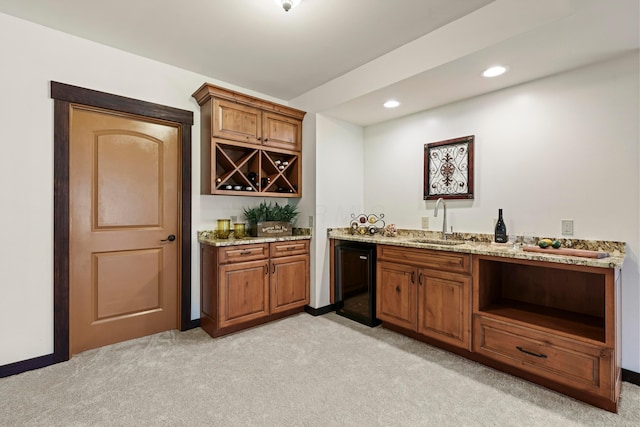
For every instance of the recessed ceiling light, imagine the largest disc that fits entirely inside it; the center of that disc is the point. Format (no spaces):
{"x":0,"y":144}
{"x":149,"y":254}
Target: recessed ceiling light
{"x":494,"y":71}
{"x":392,"y":103}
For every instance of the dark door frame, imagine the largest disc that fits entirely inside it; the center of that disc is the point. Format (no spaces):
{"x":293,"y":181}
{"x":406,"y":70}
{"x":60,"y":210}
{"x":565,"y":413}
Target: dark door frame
{"x":64,"y":95}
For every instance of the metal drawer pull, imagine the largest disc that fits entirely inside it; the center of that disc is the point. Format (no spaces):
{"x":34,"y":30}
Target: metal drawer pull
{"x":291,"y":248}
{"x":541,"y":355}
{"x":245,"y":252}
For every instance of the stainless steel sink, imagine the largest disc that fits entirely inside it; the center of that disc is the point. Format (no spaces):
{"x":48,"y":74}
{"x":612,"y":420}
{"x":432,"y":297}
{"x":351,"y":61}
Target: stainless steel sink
{"x":437,"y":241}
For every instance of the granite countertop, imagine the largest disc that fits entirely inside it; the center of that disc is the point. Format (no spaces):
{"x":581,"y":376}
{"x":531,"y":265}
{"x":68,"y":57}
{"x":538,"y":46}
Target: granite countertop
{"x":209,"y":237}
{"x":482,"y":244}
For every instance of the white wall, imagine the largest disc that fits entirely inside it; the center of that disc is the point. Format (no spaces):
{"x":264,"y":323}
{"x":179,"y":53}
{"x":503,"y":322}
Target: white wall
{"x":33,"y":56}
{"x":563,"y":147}
{"x":339,"y":184}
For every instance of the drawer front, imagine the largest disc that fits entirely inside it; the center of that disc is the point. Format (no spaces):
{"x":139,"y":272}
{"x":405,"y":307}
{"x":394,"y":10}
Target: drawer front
{"x":292,"y":247}
{"x":241,"y":253}
{"x":568,"y":362}
{"x":437,"y":260}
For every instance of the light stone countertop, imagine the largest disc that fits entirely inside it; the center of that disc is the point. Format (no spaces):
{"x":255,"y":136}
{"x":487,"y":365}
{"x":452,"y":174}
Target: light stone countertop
{"x":481,"y":244}
{"x":209,"y":237}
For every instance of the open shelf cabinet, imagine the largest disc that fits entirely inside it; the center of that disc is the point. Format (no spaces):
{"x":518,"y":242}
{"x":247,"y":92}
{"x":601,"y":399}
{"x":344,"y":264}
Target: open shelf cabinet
{"x":568,"y":301}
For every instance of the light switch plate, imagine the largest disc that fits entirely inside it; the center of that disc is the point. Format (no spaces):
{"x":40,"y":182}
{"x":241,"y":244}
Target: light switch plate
{"x":310,"y":221}
{"x":567,"y":227}
{"x":425,"y":222}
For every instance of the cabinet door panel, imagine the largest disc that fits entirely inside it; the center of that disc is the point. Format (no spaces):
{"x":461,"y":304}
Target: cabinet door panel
{"x":396,"y":294}
{"x":444,"y":307}
{"x":237,"y":122}
{"x":289,"y":282}
{"x":282,"y":132}
{"x":244,"y":292}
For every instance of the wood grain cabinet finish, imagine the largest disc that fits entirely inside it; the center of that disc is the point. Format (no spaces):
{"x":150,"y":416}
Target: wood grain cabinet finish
{"x":237,"y":122}
{"x":243,"y":286}
{"x":432,"y":301}
{"x":249,"y":146}
{"x":243,"y":292}
{"x":289,"y":275}
{"x":554,"y":322}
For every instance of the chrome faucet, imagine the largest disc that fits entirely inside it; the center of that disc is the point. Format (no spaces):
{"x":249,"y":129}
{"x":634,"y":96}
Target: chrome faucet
{"x":444,"y":220}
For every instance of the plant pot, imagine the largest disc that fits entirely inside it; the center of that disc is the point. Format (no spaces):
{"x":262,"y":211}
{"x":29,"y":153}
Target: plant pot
{"x":271,"y":229}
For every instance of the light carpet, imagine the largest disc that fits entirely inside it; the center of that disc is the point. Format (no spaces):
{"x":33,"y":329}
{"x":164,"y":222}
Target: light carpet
{"x":299,"y":371}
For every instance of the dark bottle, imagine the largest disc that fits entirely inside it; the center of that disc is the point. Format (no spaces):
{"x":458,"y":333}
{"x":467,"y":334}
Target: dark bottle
{"x":501,"y":229}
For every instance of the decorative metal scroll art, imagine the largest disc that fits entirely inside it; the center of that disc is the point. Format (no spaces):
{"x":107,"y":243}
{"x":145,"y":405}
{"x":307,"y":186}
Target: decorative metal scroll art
{"x":366,"y":224}
{"x":448,"y":169}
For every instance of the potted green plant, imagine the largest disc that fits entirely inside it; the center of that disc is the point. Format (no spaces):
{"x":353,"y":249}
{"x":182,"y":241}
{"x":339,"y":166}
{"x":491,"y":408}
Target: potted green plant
{"x":270,"y":220}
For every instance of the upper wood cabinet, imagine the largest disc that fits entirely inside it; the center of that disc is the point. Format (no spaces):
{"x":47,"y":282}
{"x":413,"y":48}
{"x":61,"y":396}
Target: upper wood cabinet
{"x":280,"y":131}
{"x":236,"y":122}
{"x":249,"y":146}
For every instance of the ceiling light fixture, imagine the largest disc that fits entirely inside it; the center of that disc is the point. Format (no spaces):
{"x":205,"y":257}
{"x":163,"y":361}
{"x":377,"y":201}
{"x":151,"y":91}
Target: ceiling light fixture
{"x":287,"y":4}
{"x":392,"y":103}
{"x":494,"y":71}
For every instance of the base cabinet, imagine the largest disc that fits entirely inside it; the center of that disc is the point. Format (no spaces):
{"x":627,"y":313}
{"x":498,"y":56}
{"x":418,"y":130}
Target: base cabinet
{"x":433,"y":303}
{"x":554,"y":324}
{"x":246,"y":285}
{"x":289,"y":282}
{"x":244,"y":292}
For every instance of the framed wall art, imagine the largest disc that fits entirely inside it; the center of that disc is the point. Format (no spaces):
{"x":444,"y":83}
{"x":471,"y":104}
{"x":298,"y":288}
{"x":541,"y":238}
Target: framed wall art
{"x":448,"y":169}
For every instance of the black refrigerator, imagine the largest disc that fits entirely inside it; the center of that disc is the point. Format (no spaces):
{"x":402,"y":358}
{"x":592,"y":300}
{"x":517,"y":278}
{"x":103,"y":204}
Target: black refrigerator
{"x":355,"y":281}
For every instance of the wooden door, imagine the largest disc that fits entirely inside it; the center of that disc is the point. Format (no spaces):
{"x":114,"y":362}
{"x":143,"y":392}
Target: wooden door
{"x":396,"y":294}
{"x":289,"y":282}
{"x":444,"y":307}
{"x":243,"y":292}
{"x":123,"y":205}
{"x":236,"y":122}
{"x":281,"y":132}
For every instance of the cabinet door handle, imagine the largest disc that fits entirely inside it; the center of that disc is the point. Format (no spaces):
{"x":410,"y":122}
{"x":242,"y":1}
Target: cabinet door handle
{"x":273,"y":271}
{"x":245,"y":252}
{"x":420,"y":279}
{"x":266,"y":139}
{"x":259,"y":138}
{"x":541,"y":355}
{"x":266,"y":269}
{"x":397,"y":289}
{"x":413,"y":277}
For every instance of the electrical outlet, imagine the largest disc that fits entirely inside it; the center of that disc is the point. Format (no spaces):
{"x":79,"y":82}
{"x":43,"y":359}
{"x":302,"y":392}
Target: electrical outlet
{"x":567,"y":227}
{"x":310,"y":221}
{"x":234,"y":219}
{"x":425,"y":222}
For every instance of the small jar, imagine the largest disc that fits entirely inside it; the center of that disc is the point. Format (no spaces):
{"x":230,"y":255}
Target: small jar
{"x":224,"y":228}
{"x":238,"y":230}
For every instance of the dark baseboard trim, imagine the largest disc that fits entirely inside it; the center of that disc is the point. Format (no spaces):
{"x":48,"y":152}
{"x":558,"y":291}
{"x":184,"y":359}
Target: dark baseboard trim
{"x":193,"y":323}
{"x":27,"y":365}
{"x":631,"y":376}
{"x":319,"y":311}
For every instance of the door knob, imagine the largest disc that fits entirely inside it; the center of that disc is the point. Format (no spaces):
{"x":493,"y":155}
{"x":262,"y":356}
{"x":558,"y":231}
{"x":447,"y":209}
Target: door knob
{"x":170,"y":238}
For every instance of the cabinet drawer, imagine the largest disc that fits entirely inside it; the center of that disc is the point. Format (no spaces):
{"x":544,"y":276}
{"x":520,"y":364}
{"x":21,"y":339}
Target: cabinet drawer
{"x":242,"y":253}
{"x":293,"y":247}
{"x":565,"y":361}
{"x":437,"y":260}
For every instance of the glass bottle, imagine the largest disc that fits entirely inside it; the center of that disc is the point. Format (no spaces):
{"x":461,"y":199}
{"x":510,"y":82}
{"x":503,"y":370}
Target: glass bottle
{"x":501,"y":229}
